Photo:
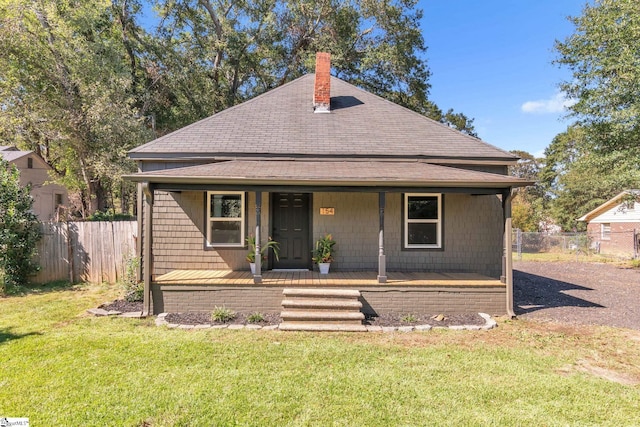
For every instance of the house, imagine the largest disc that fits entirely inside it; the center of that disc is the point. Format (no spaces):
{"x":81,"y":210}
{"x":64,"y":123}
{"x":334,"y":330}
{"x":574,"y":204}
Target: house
{"x":614,"y":226}
{"x":420,"y":211}
{"x":35,"y":171}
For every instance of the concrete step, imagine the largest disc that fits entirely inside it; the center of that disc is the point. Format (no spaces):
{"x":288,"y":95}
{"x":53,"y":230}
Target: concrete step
{"x":321,"y":315}
{"x":322,"y":303}
{"x":326,"y":327}
{"x":321,"y":293}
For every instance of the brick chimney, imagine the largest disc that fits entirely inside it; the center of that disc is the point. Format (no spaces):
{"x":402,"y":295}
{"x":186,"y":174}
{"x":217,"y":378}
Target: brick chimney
{"x":322,"y":85}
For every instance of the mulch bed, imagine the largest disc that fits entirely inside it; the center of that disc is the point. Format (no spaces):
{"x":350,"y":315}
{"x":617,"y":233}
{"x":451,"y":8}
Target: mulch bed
{"x":382,"y":320}
{"x":122,"y":306}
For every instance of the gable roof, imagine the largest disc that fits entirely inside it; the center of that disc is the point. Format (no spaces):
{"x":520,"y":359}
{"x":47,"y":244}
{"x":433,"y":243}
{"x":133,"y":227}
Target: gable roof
{"x":608,"y":205}
{"x":281,"y":123}
{"x":11,"y":155}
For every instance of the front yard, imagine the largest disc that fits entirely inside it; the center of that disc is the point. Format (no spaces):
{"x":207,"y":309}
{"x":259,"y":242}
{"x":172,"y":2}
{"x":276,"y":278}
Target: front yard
{"x":59,"y":366}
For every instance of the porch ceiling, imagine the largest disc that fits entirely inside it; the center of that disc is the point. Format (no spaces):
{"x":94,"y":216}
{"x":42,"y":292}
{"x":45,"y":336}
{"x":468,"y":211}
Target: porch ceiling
{"x":312,"y":278}
{"x":329,"y":173}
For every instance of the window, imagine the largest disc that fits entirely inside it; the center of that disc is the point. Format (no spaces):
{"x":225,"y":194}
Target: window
{"x":58,"y":200}
{"x":605,"y":231}
{"x":225,"y":219}
{"x":29,"y":163}
{"x":422,"y":220}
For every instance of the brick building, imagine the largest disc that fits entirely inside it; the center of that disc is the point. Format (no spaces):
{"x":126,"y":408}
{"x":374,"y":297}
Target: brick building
{"x":614,"y":226}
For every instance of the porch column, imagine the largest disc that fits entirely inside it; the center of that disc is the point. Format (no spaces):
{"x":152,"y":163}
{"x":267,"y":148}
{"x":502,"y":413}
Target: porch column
{"x":507,"y":260}
{"x":382,"y":261}
{"x":147,"y":242}
{"x":257,"y":277}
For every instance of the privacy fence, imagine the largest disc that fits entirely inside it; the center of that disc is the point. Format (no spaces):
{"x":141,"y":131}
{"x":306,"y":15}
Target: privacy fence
{"x":619,"y":244}
{"x":85,"y":251}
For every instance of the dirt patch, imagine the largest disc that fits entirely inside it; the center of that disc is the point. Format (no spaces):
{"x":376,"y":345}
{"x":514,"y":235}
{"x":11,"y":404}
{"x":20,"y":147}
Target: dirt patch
{"x":600,"y":372}
{"x":577,"y":293}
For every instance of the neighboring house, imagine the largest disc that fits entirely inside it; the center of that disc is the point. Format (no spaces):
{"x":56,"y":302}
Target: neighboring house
{"x":419,"y":210}
{"x":35,"y":171}
{"x":614,"y":226}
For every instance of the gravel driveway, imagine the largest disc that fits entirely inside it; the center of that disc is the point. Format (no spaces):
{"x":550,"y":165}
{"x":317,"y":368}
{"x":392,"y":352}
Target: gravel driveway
{"x":577,"y":293}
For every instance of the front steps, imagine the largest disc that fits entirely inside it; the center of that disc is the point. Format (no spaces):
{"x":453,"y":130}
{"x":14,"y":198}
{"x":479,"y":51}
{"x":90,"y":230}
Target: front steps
{"x":323,"y":309}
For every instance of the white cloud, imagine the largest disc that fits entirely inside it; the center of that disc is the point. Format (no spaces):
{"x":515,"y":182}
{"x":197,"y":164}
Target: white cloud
{"x":556,"y":104}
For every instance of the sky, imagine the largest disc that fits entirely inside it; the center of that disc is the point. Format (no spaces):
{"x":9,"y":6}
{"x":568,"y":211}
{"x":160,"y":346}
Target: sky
{"x":491,"y":60}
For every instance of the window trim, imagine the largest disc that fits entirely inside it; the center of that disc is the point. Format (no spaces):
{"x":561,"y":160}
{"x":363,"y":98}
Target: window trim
{"x":406,"y":221}
{"x":242,"y":220}
{"x":605,"y":235}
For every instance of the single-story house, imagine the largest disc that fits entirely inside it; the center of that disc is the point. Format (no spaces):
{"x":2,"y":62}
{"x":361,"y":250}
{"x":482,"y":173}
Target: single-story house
{"x":421,"y":213}
{"x":47,"y":196}
{"x":614,"y":226}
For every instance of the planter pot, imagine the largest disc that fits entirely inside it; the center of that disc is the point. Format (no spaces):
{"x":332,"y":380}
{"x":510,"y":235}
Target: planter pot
{"x":324,"y":267}
{"x":252,"y":265}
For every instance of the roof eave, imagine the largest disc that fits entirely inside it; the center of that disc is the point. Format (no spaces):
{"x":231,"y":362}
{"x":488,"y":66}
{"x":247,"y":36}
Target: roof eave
{"x":204,"y":180}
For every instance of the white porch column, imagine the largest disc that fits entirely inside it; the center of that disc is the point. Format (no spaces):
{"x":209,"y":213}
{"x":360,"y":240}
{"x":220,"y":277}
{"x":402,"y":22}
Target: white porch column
{"x":147,"y":242}
{"x":508,"y":255}
{"x":257,"y":277}
{"x":382,"y":261}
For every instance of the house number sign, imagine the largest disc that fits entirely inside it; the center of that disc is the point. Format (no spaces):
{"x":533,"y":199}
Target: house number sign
{"x":327,"y":211}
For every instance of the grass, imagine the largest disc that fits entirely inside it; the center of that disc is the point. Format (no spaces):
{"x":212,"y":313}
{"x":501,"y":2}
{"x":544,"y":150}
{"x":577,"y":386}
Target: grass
{"x":580,"y":257}
{"x":62,"y":367}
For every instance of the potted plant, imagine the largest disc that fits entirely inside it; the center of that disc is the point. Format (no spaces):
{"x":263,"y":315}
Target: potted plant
{"x":264,"y":250}
{"x":323,"y":253}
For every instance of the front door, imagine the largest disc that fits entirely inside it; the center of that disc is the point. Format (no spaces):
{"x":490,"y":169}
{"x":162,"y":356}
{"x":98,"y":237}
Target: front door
{"x":291,"y":228}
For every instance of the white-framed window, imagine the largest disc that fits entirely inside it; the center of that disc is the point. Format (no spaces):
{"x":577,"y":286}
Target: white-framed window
{"x":422,"y":220}
{"x":225,"y":218}
{"x":605,"y":231}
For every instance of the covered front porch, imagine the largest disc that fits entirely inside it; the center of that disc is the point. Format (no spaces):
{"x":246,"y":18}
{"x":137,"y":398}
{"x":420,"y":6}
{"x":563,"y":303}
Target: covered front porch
{"x":404,"y":292}
{"x":353,"y":279}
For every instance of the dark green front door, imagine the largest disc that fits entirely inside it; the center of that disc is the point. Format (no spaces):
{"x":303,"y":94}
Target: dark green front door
{"x":291,"y":228}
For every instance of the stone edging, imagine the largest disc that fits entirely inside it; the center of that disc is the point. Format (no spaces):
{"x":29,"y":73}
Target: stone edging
{"x":103,"y":312}
{"x":489,"y":324}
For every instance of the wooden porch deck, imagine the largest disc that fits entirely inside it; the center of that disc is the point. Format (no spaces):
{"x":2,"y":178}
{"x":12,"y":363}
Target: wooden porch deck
{"x":313,"y":278}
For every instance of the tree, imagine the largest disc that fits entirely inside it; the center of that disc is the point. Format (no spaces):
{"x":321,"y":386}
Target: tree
{"x":579,"y":178}
{"x":602,"y":55}
{"x":19,"y":229}
{"x":66,"y":91}
{"x":529,"y":203}
{"x":213,"y":55}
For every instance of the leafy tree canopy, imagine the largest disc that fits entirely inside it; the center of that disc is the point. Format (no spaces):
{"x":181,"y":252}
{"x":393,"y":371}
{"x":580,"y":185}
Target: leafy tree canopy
{"x":603,"y":55}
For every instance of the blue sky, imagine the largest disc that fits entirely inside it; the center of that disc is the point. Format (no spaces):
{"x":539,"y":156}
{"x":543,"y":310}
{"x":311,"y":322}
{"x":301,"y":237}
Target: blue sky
{"x":491,"y":60}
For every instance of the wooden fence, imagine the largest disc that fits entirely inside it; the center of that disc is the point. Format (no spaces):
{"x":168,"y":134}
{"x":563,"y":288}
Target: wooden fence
{"x":85,"y":251}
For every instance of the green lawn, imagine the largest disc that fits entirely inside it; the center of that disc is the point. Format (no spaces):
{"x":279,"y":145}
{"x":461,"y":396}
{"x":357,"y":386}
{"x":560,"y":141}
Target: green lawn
{"x":61,"y":367}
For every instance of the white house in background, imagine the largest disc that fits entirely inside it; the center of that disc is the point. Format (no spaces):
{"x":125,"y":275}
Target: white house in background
{"x":35,"y":171}
{"x":614,"y":226}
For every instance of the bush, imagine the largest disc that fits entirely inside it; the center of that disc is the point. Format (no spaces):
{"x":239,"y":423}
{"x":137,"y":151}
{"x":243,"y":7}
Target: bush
{"x":19,"y":229}
{"x":222,"y":314}
{"x":255,"y":318}
{"x":134,"y":288}
{"x":409,"y":318}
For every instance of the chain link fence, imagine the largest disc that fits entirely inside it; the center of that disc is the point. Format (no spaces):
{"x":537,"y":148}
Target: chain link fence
{"x":623,"y":244}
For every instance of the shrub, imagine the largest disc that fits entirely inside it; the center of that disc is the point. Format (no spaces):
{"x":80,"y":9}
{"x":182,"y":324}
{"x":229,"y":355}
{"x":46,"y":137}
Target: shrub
{"x":255,"y":318}
{"x":134,"y":288}
{"x":222,"y":314}
{"x":409,"y":318}
{"x":19,"y":229}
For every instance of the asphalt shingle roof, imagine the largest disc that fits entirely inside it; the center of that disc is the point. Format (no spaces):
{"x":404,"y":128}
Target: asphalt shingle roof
{"x":386,"y":173}
{"x":282,"y":123}
{"x":10,"y":155}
